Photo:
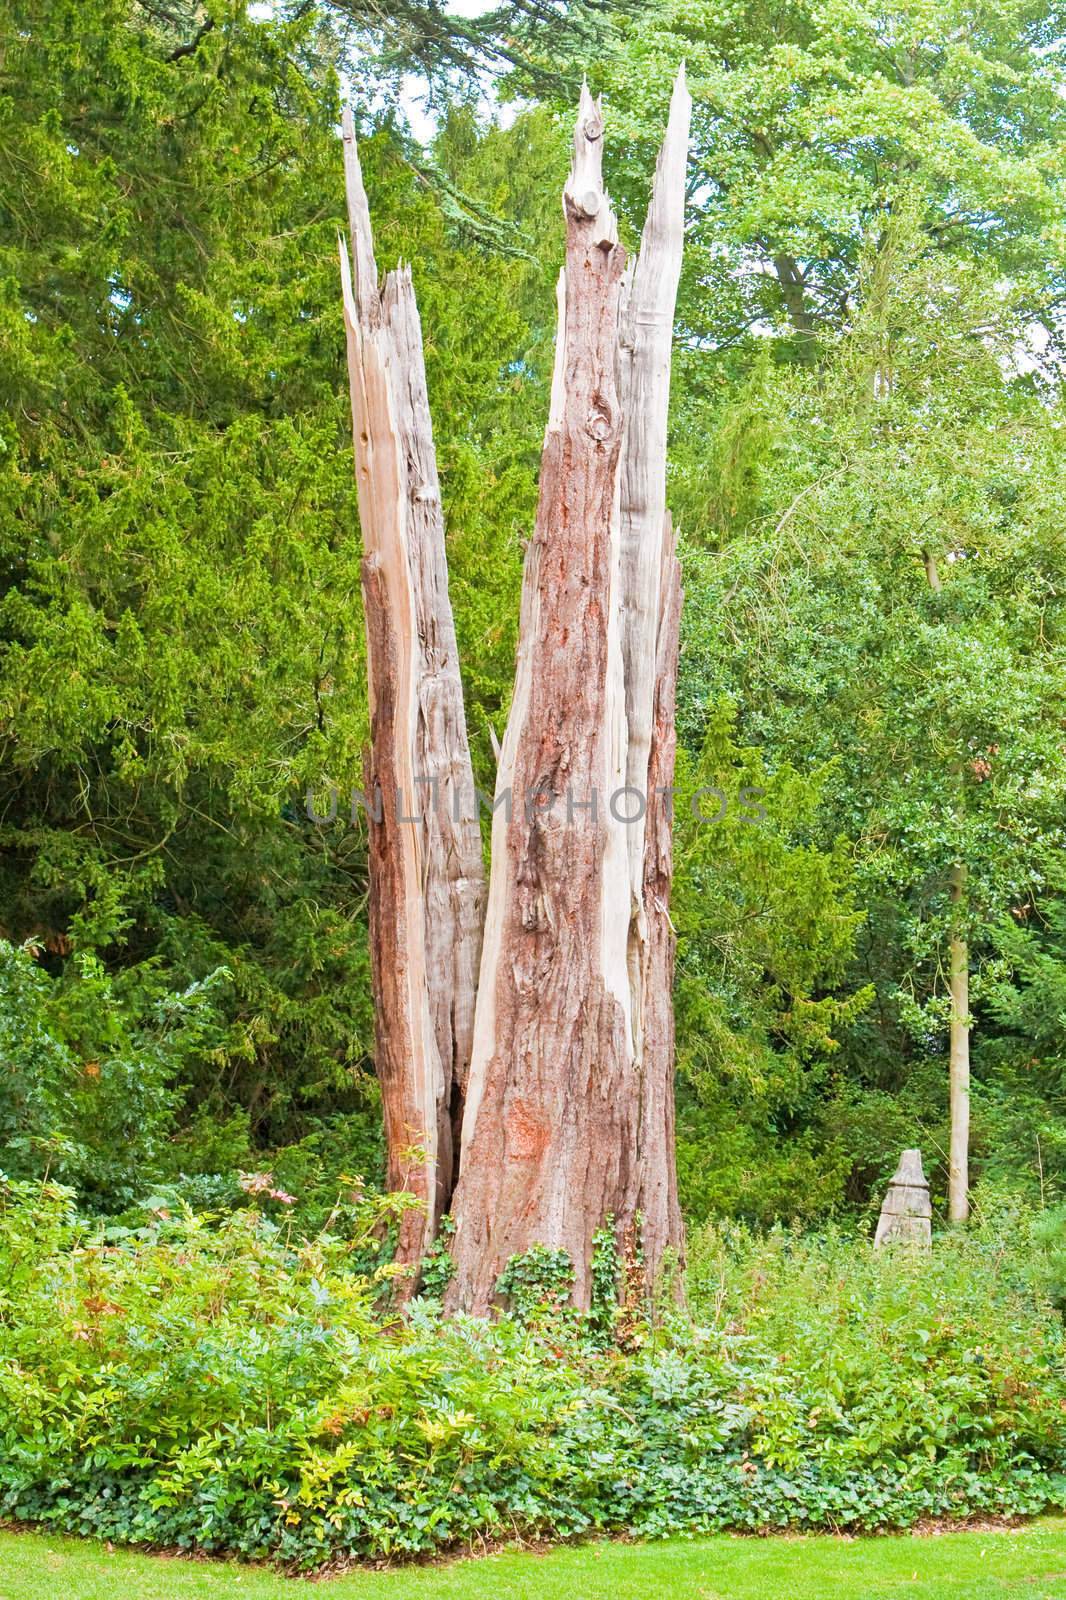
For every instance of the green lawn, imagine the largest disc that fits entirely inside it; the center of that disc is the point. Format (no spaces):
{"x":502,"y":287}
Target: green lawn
{"x":978,"y":1566}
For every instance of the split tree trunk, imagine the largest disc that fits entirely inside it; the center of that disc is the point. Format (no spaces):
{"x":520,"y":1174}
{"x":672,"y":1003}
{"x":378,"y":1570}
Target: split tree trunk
{"x":651,"y":606}
{"x":550,"y":1132}
{"x":959,"y":1060}
{"x":426,"y":875}
{"x":569,"y":1115}
{"x":662,"y":1226}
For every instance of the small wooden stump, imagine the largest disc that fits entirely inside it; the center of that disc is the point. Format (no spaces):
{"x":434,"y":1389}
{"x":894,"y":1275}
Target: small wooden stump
{"x":906,"y":1216}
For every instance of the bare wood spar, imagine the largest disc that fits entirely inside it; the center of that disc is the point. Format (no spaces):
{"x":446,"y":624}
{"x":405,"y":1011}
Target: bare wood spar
{"x":569,"y":1115}
{"x":426,"y":877}
{"x":651,"y":616}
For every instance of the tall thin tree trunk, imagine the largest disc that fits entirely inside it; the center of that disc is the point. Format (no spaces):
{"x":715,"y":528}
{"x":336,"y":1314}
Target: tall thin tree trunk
{"x":577,"y":928}
{"x":959,"y":1059}
{"x":794,"y":294}
{"x":959,"y":1034}
{"x":426,"y":875}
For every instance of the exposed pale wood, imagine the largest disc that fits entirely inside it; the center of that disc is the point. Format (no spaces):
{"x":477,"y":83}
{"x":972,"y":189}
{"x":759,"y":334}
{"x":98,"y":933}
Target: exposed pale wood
{"x":568,"y":1119}
{"x":650,"y":609}
{"x":646,"y":340}
{"x":549,"y":1139}
{"x":569,"y":1102}
{"x":662,"y":1227}
{"x":426,"y":877}
{"x":959,"y":1060}
{"x":906,"y":1213}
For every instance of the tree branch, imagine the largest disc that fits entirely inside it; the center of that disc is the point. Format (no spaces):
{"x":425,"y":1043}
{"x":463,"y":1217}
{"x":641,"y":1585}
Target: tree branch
{"x":191,"y":47}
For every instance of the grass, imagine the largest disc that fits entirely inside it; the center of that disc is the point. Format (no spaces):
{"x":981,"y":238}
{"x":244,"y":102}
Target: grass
{"x":1029,"y":1562}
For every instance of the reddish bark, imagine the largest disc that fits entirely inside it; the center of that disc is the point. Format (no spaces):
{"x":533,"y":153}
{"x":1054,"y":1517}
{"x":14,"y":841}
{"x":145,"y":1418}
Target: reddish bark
{"x":568,"y":1117}
{"x":426,"y":877}
{"x":549,"y":1139}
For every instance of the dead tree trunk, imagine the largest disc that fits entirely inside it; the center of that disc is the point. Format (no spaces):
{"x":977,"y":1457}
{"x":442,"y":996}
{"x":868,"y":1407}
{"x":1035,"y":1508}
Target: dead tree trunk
{"x":426,"y":876}
{"x":657,"y":1204}
{"x":552,"y":1092}
{"x":651,"y":609}
{"x":569,"y":1112}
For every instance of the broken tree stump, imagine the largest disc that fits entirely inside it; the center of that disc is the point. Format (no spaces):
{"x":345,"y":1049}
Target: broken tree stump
{"x":569,"y":1114}
{"x":426,"y":874}
{"x":551,"y":1097}
{"x":906,"y":1215}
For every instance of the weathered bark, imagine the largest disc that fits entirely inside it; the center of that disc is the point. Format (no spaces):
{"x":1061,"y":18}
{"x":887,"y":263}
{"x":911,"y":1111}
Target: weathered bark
{"x":563,"y":1126}
{"x":426,"y":876}
{"x":959,"y":1060}
{"x":552,"y":1093}
{"x":662,"y":1227}
{"x":794,"y":294}
{"x":651,"y":602}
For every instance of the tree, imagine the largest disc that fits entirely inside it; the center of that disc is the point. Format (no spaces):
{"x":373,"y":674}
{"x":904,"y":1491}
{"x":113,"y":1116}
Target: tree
{"x":181,"y":657}
{"x":568,"y":1115}
{"x":174,"y":667}
{"x":425,"y":868}
{"x":1021,"y":1058}
{"x":938,"y":703}
{"x":766,"y":913}
{"x":811,"y":123}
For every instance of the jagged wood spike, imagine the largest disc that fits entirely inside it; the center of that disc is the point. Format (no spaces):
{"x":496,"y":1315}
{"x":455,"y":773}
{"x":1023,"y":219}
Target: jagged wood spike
{"x":646,"y":340}
{"x":426,"y":876}
{"x":549,"y":1135}
{"x":364,"y":275}
{"x":650,"y":601}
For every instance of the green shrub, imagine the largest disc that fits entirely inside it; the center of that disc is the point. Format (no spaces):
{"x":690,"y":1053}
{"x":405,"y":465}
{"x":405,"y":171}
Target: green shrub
{"x":224,"y":1383}
{"x":1050,"y":1233}
{"x":88,"y":1067}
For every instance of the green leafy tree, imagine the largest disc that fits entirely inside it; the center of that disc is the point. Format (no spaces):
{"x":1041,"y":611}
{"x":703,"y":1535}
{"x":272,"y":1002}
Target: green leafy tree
{"x":767,"y":922}
{"x":810,"y":122}
{"x":181,"y":654}
{"x":893,"y":608}
{"x":92,"y":1068}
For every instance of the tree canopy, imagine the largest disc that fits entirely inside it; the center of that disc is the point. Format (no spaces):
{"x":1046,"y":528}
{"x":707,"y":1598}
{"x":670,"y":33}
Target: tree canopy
{"x":865,"y":468}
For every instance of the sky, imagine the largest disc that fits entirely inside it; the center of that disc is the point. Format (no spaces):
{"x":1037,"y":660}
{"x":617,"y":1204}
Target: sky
{"x":422,"y":123}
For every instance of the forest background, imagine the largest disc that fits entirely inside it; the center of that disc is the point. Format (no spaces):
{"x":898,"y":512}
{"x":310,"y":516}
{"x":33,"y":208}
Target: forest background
{"x":866,"y":397}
